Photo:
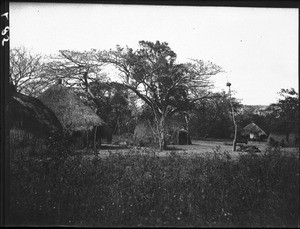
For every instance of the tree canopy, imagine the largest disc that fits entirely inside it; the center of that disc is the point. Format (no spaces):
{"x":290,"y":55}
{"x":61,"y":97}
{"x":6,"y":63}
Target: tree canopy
{"x":284,"y":115}
{"x":153,"y":74}
{"x":26,"y":71}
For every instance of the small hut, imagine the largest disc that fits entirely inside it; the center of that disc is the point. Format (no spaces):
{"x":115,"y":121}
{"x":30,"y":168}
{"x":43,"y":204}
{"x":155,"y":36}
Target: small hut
{"x":74,"y":115}
{"x":29,"y":122}
{"x":254,"y":132}
{"x":176,"y":134}
{"x":30,"y":114}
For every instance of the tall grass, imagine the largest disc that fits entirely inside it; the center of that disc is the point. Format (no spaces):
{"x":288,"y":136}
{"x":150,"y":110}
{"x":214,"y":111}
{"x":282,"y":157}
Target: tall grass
{"x":134,"y":189}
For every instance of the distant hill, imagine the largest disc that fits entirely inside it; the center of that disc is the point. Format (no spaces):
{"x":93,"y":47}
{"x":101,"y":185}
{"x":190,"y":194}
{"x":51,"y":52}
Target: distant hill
{"x":255,"y":109}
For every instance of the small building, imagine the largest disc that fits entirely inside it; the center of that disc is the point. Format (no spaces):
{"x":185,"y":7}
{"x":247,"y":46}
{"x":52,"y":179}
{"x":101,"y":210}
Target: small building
{"x":30,"y":114}
{"x":30,"y":123}
{"x":76,"y":117}
{"x":176,"y":134}
{"x":254,"y":132}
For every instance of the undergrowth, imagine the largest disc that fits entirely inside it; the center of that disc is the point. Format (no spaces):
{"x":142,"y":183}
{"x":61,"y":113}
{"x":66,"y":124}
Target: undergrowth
{"x":135,"y":189}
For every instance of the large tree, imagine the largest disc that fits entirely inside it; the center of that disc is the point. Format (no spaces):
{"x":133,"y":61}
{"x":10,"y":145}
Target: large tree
{"x":27,"y":74}
{"x":77,"y":70}
{"x":212,"y":117}
{"x":115,"y":107}
{"x":84,"y":73}
{"x":167,"y":87}
{"x":284,"y":115}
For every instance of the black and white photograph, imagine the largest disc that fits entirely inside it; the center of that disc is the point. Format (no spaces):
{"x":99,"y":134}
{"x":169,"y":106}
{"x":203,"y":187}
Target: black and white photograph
{"x":149,"y":115}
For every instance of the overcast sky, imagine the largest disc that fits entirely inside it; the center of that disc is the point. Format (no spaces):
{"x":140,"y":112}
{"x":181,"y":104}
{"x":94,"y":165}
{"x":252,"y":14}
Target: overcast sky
{"x":257,"y":47}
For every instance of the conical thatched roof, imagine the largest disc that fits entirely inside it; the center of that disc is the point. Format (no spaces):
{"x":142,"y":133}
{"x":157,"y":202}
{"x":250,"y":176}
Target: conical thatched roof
{"x":252,"y":128}
{"x":72,"y":113}
{"x":28,"y":113}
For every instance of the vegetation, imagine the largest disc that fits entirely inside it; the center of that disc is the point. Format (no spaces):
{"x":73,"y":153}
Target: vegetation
{"x":52,"y":183}
{"x":153,"y":74}
{"x":150,"y":72}
{"x":26,"y":72}
{"x":212,"y":118}
{"x":284,"y":115}
{"x":139,"y":189}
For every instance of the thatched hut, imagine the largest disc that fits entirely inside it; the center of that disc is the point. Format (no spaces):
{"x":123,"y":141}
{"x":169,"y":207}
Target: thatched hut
{"x":30,"y":114}
{"x":176,"y":134}
{"x":73,"y":114}
{"x":254,"y":132}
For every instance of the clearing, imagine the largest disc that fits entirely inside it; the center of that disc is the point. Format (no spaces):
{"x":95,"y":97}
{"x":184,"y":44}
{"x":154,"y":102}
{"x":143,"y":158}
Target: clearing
{"x":198,"y":147}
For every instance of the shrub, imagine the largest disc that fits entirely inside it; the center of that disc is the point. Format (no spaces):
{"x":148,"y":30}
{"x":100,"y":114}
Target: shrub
{"x":141,"y":189}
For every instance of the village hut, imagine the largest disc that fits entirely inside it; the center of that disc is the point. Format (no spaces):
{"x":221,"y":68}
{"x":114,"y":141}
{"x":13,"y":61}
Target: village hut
{"x":29,"y":123}
{"x":254,"y":132}
{"x":176,"y":134}
{"x":277,"y":138}
{"x":75,"y":117}
{"x":29,"y":114}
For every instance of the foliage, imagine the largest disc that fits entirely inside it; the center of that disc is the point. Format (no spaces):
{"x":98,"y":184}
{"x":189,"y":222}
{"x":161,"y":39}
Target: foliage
{"x":152,"y":73}
{"x":77,"y":69}
{"x":212,"y":117}
{"x":284,"y":115}
{"x":27,"y":72}
{"x":249,"y":115}
{"x":114,"y":106}
{"x":141,"y":189}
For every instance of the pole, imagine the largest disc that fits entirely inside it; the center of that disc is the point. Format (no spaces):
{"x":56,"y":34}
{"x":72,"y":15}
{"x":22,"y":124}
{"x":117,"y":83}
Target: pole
{"x":233,"y":119}
{"x":187,"y":128}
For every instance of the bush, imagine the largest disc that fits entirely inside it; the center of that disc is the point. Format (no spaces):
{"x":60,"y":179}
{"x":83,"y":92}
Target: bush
{"x":140,"y":189}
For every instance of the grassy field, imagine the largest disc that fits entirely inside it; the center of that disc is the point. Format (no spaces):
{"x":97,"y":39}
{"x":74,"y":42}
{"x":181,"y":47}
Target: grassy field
{"x":143,"y":187}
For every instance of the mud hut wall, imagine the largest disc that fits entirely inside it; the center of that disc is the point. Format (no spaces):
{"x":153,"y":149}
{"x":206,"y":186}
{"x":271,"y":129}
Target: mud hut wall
{"x":293,"y":139}
{"x":144,"y":132}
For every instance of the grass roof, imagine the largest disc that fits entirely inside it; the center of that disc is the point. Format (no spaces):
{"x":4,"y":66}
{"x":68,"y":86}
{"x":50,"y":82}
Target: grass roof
{"x":254,"y":129}
{"x":73,"y":114}
{"x":28,"y":113}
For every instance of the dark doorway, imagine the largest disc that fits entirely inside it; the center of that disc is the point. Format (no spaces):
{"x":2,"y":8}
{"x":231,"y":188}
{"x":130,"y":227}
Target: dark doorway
{"x":184,"y":138}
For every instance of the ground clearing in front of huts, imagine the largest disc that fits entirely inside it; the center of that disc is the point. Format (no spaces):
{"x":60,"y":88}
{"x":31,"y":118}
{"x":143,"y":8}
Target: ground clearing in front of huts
{"x":197,"y":148}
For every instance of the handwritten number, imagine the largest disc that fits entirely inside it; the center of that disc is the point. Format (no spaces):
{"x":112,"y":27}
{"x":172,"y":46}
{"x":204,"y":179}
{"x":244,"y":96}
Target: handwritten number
{"x":5,"y":15}
{"x":4,"y":40}
{"x":5,"y":30}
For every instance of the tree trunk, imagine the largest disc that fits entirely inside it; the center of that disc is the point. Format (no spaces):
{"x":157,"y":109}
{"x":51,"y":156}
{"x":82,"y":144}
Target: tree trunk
{"x":235,"y":137}
{"x":87,"y":138}
{"x":187,"y":128}
{"x":95,"y":132}
{"x":234,"y":122}
{"x":161,"y":133}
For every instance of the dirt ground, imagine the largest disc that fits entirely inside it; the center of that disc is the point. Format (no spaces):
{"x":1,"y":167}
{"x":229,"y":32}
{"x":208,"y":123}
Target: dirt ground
{"x":198,"y":147}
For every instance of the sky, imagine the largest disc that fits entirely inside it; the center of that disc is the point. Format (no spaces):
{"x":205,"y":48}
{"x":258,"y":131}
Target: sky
{"x":256,"y":47}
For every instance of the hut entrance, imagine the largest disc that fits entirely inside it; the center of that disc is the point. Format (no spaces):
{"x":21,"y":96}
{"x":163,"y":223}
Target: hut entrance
{"x":184,"y":138}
